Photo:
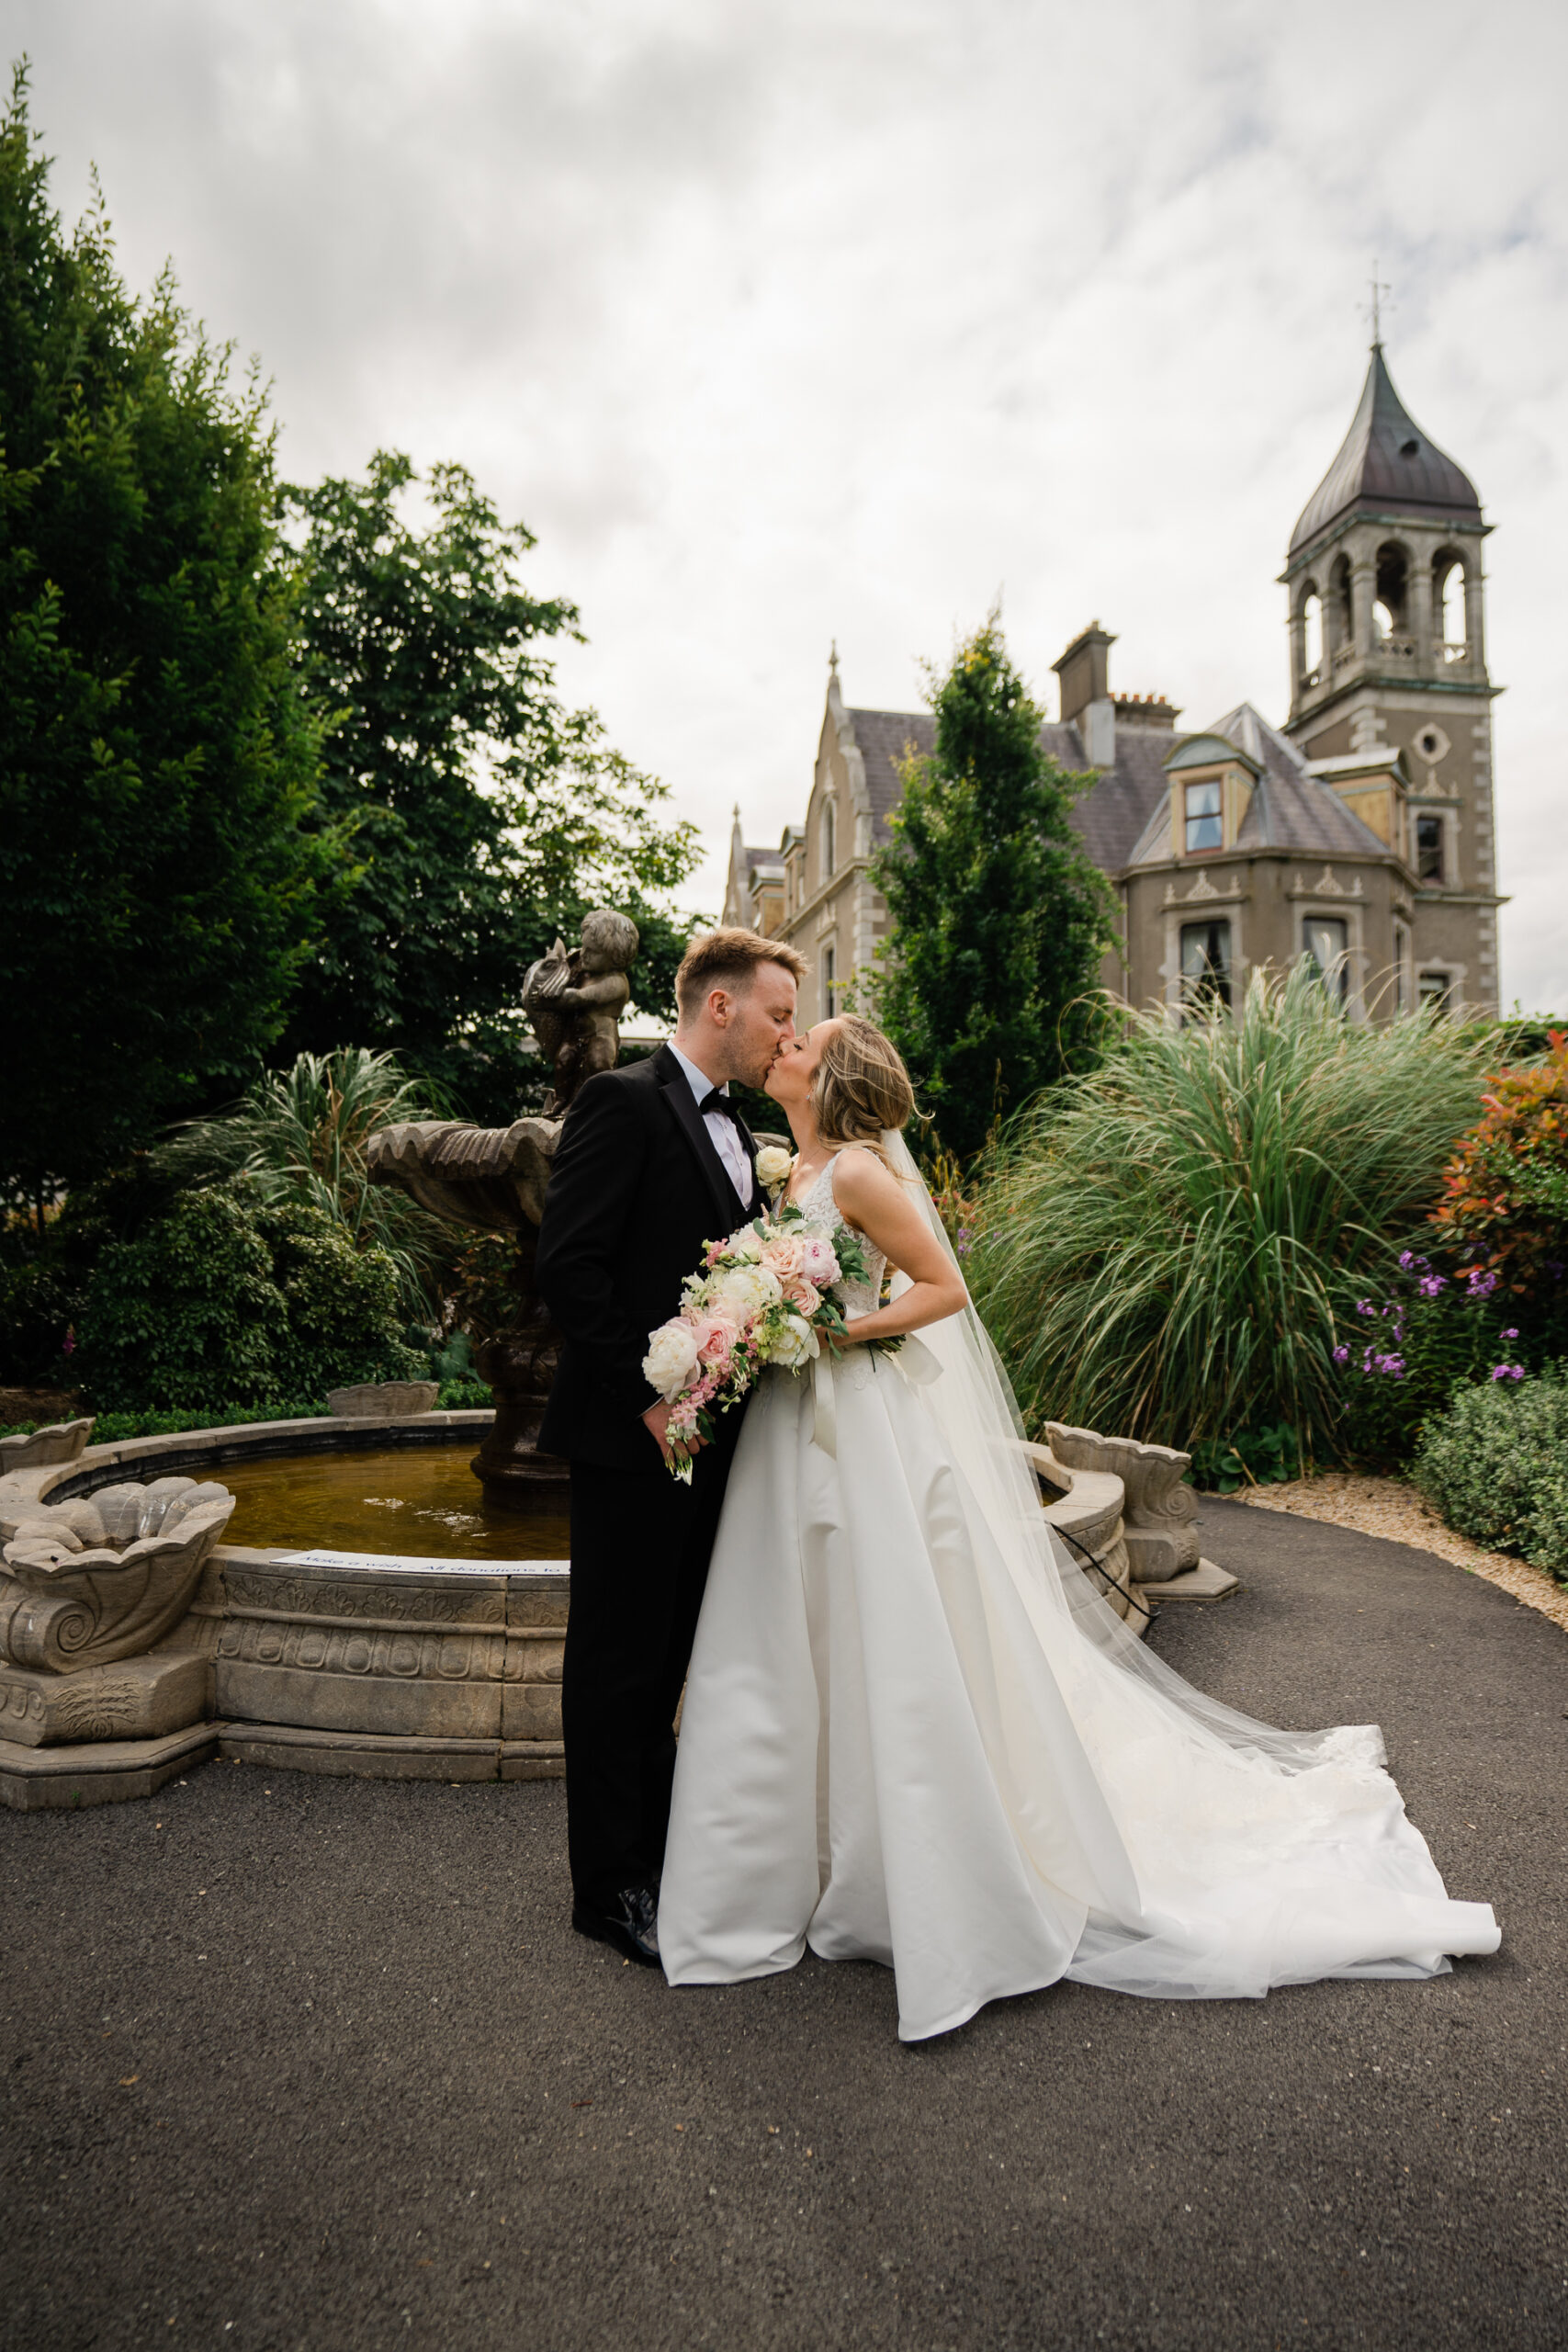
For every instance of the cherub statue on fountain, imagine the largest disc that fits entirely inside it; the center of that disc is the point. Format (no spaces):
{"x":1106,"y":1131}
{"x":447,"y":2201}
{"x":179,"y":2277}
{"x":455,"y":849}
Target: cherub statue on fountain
{"x":575,"y":1001}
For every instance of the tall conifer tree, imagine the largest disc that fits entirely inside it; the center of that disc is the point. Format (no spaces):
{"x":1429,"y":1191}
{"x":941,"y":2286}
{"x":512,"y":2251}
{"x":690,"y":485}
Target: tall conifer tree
{"x":999,"y":920}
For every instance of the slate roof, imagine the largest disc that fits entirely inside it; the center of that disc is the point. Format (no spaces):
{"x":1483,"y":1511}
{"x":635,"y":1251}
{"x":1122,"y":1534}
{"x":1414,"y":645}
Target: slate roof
{"x":1289,"y":810}
{"x":752,"y":858}
{"x":1386,"y":462}
{"x":1118,"y":805}
{"x":1109,"y":818}
{"x":884,"y":737}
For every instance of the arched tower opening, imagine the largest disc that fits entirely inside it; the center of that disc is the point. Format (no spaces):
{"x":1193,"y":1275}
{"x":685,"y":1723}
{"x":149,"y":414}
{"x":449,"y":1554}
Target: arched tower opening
{"x":1311,"y":635}
{"x":1391,"y":596}
{"x":1449,"y":602}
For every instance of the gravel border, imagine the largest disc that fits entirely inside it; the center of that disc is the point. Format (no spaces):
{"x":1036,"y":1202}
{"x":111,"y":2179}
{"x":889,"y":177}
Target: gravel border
{"x":1389,"y":1507}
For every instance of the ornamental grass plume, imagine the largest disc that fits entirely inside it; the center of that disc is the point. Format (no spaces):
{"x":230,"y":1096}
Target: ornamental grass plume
{"x":1172,"y":1245}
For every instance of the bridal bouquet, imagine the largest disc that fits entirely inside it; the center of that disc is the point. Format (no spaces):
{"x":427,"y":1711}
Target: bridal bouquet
{"x":762,"y":1296}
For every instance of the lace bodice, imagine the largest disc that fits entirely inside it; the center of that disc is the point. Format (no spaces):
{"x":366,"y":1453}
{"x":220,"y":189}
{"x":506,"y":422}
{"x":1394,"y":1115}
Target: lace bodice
{"x":817,"y":1206}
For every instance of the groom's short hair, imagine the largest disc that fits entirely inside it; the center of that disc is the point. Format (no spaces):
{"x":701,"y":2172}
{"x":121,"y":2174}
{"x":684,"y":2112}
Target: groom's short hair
{"x":730,"y":958}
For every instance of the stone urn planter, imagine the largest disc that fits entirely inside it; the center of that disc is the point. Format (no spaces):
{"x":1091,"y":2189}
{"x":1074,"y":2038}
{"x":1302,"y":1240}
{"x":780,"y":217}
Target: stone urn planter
{"x":60,"y":1441}
{"x":384,"y":1400}
{"x":88,"y":1588}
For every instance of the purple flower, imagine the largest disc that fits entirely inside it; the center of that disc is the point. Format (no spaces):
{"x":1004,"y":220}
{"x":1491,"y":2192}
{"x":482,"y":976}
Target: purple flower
{"x":1482,"y":1286}
{"x":1365,"y":1307}
{"x":1510,"y":1335}
{"x":1508,"y":1371}
{"x":1393,"y":1365}
{"x":68,"y":1345}
{"x":1429,"y":1285}
{"x":1407,"y":1258}
{"x":1341,"y":1355}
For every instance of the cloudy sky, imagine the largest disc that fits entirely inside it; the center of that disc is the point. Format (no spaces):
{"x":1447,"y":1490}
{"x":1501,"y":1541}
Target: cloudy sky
{"x":785,"y":324}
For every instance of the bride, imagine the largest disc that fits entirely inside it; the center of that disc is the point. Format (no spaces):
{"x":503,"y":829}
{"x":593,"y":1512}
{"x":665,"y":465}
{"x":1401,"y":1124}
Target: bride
{"x":913,"y":1732}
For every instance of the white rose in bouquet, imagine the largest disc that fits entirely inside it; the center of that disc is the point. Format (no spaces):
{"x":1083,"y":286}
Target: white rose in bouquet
{"x":773,"y":1166}
{"x":796,"y":1344}
{"x":744,"y":1246}
{"x":745,"y":1290}
{"x":671,"y":1363}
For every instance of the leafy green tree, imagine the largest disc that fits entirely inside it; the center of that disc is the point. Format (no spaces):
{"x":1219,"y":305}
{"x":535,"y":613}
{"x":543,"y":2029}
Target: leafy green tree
{"x":482,"y":814}
{"x":998,"y":918}
{"x":156,"y":756}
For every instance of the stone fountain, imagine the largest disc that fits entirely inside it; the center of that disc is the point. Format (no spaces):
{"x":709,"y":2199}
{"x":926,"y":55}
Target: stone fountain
{"x":494,"y":1179}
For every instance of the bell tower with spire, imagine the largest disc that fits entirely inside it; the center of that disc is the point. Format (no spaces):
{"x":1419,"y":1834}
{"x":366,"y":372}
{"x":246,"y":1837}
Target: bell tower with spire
{"x":1388,"y":656}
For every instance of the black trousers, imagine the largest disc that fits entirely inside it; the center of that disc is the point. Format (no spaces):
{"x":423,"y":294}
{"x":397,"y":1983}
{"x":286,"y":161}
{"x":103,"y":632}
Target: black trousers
{"x":640,"y":1544}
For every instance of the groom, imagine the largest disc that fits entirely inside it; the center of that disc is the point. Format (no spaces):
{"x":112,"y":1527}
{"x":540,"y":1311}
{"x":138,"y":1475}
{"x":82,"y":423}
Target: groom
{"x":653,"y":1163}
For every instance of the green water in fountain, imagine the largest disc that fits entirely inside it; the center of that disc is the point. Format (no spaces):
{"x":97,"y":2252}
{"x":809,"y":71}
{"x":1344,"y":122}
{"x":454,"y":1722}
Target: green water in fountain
{"x":418,"y":1499}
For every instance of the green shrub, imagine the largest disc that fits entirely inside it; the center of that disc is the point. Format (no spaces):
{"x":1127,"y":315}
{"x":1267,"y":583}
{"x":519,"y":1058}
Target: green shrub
{"x":225,"y":1304}
{"x":1171,"y":1245}
{"x":1248,"y":1458}
{"x":1494,"y":1465}
{"x":41,"y":1304}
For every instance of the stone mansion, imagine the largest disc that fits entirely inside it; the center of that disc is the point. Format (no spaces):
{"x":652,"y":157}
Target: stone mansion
{"x":1359,"y":835}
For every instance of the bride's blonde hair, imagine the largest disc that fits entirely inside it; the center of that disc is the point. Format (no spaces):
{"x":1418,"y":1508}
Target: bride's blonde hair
{"x":860,"y":1088}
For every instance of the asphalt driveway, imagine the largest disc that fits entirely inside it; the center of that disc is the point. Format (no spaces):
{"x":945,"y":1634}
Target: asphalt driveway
{"x":295,"y":2061}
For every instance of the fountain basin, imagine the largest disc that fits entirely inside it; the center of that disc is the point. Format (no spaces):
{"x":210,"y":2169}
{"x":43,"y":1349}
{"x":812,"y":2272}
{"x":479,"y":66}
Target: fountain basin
{"x":379,"y":1616}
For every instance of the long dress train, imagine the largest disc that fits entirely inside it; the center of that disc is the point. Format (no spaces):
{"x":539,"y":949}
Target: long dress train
{"x":913,"y":1734}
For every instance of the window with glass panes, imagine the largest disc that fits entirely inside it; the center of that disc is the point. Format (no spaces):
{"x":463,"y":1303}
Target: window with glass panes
{"x":1205,"y":826}
{"x":1326,"y":939}
{"x":1206,"y":960}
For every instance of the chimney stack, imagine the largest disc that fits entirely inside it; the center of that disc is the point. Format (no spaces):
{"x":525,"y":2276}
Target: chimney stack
{"x":1085,"y":673}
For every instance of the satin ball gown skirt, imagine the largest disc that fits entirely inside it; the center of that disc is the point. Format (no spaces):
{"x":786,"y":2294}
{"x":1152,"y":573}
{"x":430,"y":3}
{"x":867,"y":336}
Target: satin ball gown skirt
{"x":897,"y":1746}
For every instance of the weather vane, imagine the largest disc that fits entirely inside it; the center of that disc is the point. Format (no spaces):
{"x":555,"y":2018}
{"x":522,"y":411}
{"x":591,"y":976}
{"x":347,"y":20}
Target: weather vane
{"x":1373,"y":310}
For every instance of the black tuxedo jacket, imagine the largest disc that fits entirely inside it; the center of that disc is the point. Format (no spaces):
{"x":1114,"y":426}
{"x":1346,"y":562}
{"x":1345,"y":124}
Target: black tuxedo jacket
{"x":635,"y":1189}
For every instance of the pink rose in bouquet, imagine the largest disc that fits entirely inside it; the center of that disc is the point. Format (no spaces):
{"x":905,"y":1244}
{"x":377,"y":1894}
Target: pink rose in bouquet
{"x":713,"y":1336}
{"x":818,"y":1259}
{"x":785,"y":1254}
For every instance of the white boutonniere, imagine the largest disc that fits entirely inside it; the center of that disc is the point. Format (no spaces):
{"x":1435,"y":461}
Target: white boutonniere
{"x":774,"y":1167}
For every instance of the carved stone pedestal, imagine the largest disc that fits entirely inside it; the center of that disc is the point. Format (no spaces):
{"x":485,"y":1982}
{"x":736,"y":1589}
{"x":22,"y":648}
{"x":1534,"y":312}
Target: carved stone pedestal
{"x":519,"y":1367}
{"x":139,"y":1698}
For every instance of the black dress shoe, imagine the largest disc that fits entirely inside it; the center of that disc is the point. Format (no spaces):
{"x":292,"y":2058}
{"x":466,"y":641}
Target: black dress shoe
{"x":629,"y":1923}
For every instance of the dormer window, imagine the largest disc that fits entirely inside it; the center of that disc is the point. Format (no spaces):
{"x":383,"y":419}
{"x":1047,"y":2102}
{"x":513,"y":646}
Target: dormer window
{"x":1205,"y":825}
{"x":1210,"y":791}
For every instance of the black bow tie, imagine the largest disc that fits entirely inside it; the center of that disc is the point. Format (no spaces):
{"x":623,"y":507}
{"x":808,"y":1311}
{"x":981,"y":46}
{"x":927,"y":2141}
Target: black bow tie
{"x":716,"y":1101}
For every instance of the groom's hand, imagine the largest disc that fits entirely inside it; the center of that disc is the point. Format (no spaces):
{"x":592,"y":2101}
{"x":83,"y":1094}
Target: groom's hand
{"x":656,"y":1421}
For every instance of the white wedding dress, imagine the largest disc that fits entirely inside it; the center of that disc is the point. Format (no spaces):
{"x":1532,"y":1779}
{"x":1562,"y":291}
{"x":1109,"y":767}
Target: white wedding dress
{"x":912,"y":1733}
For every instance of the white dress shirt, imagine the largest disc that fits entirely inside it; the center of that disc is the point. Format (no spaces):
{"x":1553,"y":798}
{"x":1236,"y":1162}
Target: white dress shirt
{"x":723,"y":1133}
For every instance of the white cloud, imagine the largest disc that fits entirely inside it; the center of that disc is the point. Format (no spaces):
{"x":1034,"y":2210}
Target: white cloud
{"x":777,"y":324}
